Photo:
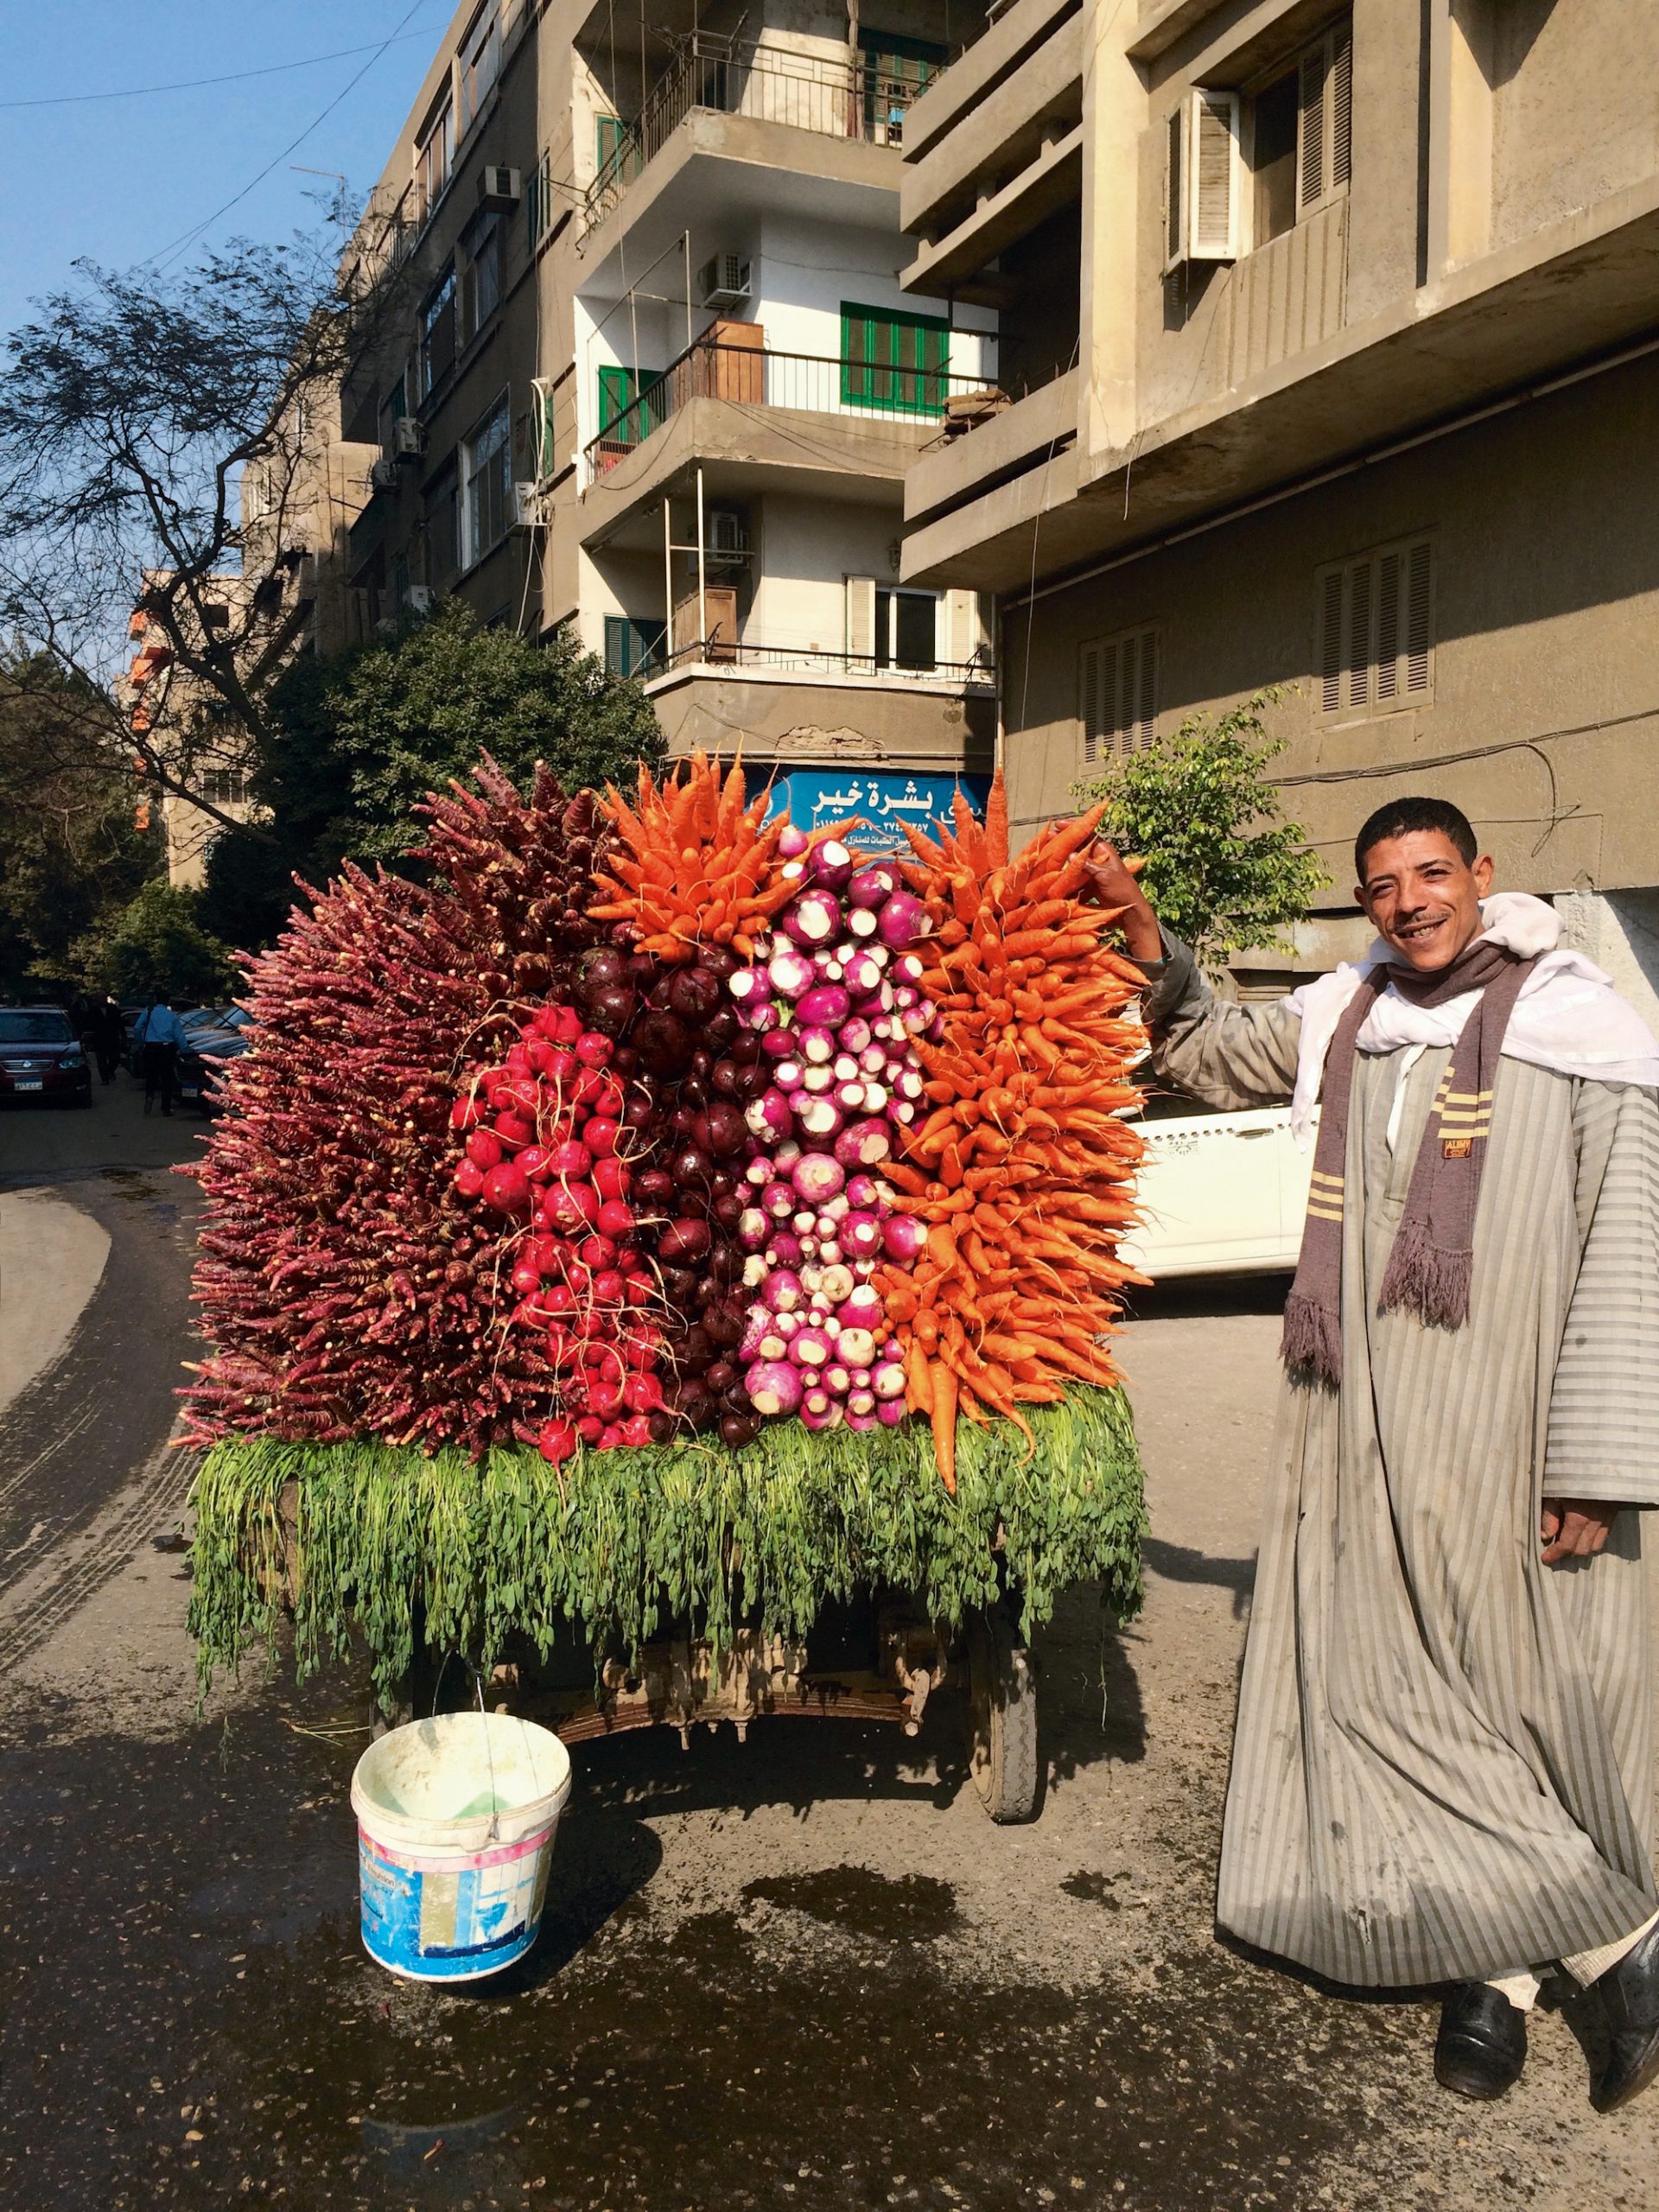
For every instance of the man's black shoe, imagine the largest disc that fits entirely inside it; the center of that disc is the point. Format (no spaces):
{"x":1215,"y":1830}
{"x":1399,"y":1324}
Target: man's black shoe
{"x":1482,"y":2045}
{"x":1630,"y":1999}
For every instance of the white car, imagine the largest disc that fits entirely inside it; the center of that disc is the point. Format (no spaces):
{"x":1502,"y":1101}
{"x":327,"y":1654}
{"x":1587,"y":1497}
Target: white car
{"x":1218,"y":1193}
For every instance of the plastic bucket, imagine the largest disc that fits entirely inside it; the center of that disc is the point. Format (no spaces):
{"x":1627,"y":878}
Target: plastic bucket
{"x":455,"y":1821}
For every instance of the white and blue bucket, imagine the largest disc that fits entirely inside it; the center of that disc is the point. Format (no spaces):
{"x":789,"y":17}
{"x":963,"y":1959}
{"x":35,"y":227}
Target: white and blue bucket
{"x":456,"y":1821}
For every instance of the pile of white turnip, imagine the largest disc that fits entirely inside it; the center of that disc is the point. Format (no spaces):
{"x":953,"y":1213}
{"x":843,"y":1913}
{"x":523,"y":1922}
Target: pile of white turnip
{"x":834,"y":997}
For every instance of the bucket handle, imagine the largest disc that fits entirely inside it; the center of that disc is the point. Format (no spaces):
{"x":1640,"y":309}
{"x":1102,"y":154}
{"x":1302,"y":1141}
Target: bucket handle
{"x":483,"y":1718}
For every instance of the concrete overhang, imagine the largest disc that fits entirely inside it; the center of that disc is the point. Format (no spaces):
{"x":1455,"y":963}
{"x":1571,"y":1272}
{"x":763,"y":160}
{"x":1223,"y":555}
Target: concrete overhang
{"x":717,"y":168}
{"x":1054,"y":177}
{"x":1044,"y":423}
{"x":744,"y":449}
{"x":996,"y":55}
{"x":1478,"y":337}
{"x":796,"y":719}
{"x":1039,"y":100}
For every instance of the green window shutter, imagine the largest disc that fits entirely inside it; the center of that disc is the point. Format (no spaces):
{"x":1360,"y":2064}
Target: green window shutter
{"x":898,"y":363}
{"x":609,"y":131}
{"x":615,"y":397}
{"x":619,"y":388}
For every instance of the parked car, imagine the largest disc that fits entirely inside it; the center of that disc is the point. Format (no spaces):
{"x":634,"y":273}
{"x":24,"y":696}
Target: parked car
{"x":41,"y":1056}
{"x":1218,"y":1193}
{"x":205,"y":1049}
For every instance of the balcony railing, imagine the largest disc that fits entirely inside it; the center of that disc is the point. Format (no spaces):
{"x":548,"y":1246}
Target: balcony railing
{"x":717,"y":652}
{"x":755,"y":376}
{"x":838,"y":99}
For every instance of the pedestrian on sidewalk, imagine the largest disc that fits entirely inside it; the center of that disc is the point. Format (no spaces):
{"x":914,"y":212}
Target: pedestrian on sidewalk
{"x":109,"y":1037}
{"x":157,"y":1037}
{"x":1442,"y":1770}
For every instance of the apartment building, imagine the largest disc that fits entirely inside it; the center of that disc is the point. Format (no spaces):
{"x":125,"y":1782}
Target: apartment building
{"x":1331,"y":351}
{"x":648,"y":372}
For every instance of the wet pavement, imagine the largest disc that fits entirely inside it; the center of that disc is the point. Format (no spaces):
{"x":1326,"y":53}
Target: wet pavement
{"x":804,"y":1972}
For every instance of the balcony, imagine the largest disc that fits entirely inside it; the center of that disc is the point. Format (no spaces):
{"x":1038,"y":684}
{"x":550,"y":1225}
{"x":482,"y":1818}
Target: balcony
{"x":813,"y":665}
{"x":744,"y":374}
{"x":830,"y":96}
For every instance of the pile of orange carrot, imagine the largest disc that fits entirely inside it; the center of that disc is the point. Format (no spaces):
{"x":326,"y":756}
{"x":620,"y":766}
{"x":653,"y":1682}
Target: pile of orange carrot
{"x":1020,"y":1167}
{"x":698,"y":866}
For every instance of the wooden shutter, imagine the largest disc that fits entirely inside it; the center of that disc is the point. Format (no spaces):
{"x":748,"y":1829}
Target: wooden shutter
{"x":1215,"y":170}
{"x":1310,"y":130}
{"x":1174,"y":181}
{"x":963,"y":629}
{"x":1117,"y":686}
{"x":1418,"y":612}
{"x":1387,"y":626}
{"x":1359,"y":634}
{"x":1342,"y":106}
{"x":861,"y":617}
{"x":1331,"y":641}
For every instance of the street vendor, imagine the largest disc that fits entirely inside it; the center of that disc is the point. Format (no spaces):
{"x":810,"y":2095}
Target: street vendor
{"x":1442,"y":1772}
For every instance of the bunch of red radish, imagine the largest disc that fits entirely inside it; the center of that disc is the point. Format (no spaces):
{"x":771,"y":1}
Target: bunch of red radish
{"x":542,"y":1136}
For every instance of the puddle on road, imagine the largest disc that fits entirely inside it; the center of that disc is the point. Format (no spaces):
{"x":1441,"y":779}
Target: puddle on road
{"x":192,"y":2020}
{"x":904,"y":1908}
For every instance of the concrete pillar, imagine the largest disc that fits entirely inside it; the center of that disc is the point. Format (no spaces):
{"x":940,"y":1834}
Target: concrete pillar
{"x":1619,"y":930}
{"x":1114,"y":124}
{"x":1461,"y":50}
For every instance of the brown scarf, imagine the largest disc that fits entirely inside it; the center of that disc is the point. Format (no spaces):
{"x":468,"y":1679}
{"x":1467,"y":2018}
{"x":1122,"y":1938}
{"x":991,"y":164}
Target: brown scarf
{"x":1433,"y":1256}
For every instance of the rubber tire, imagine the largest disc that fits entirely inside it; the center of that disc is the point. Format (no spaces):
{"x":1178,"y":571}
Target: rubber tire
{"x":1003,"y":1754}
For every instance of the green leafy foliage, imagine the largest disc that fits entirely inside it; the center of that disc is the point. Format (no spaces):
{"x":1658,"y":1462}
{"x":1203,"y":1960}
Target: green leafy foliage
{"x":1224,"y":870}
{"x":71,"y":855}
{"x":622,"y":1543}
{"x":156,"y":943}
{"x":357,"y":740}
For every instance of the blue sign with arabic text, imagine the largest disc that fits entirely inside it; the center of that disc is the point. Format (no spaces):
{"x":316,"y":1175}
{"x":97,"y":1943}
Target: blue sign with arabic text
{"x":882,"y":800}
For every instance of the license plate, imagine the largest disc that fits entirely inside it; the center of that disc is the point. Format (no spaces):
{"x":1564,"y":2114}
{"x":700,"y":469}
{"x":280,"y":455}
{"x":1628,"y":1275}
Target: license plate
{"x":27,"y":1083}
{"x":189,"y":1090}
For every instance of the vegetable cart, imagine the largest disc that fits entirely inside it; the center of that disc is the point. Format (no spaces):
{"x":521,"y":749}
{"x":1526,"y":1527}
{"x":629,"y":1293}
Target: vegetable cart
{"x":671,"y":1261}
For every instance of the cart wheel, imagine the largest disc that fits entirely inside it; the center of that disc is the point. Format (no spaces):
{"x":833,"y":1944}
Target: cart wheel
{"x":1003,"y":1702}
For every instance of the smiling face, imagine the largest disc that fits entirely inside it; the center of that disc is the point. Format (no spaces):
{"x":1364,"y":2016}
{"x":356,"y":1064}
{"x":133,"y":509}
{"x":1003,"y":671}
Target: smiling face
{"x":1423,"y":898}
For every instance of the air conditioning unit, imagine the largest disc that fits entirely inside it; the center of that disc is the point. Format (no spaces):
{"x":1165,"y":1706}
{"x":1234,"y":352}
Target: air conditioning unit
{"x":419,"y":599}
{"x":408,"y":438}
{"x":499,"y":189}
{"x":384,"y":476}
{"x":725,"y":538}
{"x":528,"y":508}
{"x":723,"y":280}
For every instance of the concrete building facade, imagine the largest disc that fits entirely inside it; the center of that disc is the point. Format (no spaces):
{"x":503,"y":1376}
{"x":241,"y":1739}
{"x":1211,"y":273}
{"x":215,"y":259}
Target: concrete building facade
{"x":645,"y":369}
{"x":1337,"y":337}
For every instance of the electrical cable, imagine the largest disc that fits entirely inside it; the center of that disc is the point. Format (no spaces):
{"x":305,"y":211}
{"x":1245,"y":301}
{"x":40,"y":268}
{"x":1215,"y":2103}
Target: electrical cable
{"x":160,"y":259}
{"x":194,"y":84}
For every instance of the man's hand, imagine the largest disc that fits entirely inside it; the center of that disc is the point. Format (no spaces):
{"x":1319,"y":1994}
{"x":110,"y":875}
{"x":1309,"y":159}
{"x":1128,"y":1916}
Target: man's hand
{"x":1573,"y":1527}
{"x":1112,"y":887}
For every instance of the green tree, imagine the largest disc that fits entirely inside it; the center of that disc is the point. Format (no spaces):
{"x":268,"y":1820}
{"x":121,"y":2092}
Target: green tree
{"x":71,"y":852}
{"x":155,"y":942}
{"x":357,"y":741}
{"x":1224,"y":869}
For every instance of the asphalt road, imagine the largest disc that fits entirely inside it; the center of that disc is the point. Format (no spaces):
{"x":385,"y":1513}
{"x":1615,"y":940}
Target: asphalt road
{"x":802,"y":1973}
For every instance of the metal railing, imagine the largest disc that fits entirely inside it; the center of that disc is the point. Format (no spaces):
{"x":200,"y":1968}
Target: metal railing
{"x":718,"y":652}
{"x":755,"y":376}
{"x":838,"y":98}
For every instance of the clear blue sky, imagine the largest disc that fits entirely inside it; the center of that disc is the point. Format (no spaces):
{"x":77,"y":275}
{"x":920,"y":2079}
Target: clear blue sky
{"x":115,"y":180}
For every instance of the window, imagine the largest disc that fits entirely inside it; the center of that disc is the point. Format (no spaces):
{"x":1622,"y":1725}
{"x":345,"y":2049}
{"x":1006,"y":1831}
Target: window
{"x":1376,"y":616}
{"x":437,"y":335}
{"x":480,"y":278}
{"x":619,"y":420}
{"x":538,"y":201}
{"x":897,"y":70}
{"x":225,"y":786}
{"x":1117,"y":695}
{"x":442,"y":535}
{"x":480,"y":65}
{"x":895,"y":362}
{"x":486,"y":484}
{"x":1325,"y":79}
{"x":395,"y":404}
{"x":437,"y":157}
{"x":888,"y":628}
{"x":906,"y":628}
{"x":1203,"y":172}
{"x":633,"y":647}
{"x":609,"y":134}
{"x":1301,"y":138}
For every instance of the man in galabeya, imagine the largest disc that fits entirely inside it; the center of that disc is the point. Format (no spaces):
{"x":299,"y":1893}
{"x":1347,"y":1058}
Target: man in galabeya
{"x":1443,"y":1766}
